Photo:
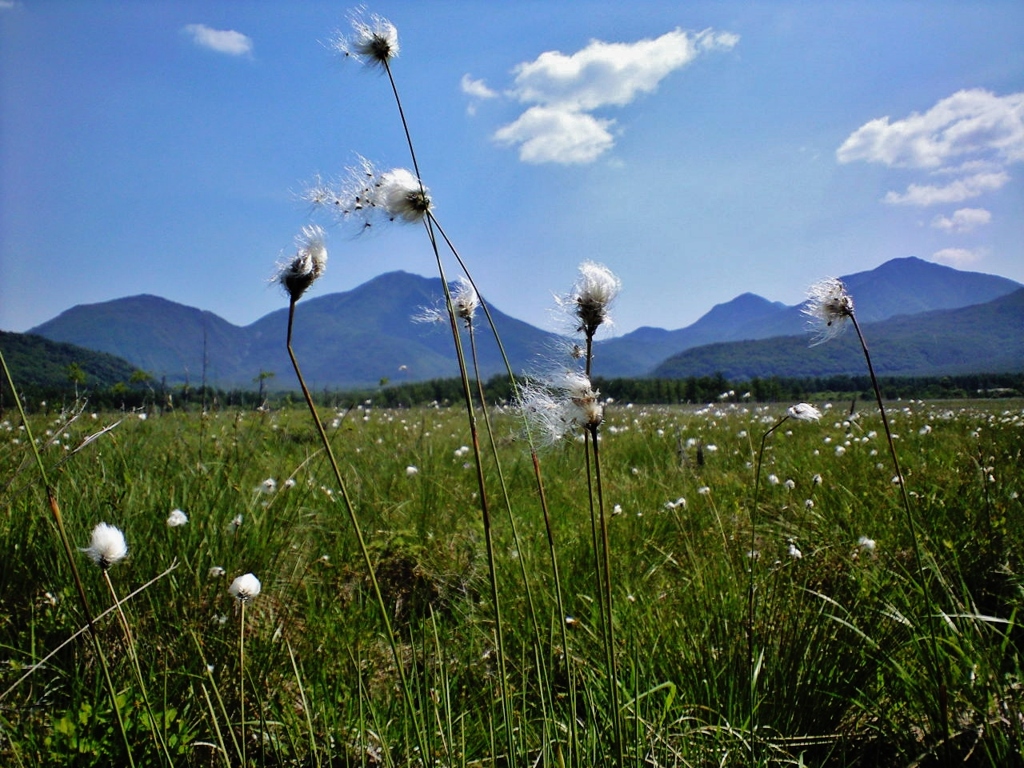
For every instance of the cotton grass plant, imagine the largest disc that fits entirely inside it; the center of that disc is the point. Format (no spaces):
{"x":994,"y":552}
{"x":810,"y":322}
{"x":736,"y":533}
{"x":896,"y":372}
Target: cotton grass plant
{"x":829,"y":308}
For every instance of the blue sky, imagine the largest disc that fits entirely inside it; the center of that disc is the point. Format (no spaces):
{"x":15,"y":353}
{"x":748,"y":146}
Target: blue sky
{"x":698,"y":149}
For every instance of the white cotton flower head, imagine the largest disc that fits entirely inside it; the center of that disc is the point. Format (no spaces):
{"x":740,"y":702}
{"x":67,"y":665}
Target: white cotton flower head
{"x":866,"y":544}
{"x":373,"y":41}
{"x":591,"y":297}
{"x":560,"y":403}
{"x":411,"y":471}
{"x":465,"y":300}
{"x":803,"y":412}
{"x":300,"y":271}
{"x":215,"y":572}
{"x":176,"y":518}
{"x":369,"y":194}
{"x":828,"y":307}
{"x":794,"y":552}
{"x":107,"y":546}
{"x":245,"y":588}
{"x":402,"y":196}
{"x":267,"y":486}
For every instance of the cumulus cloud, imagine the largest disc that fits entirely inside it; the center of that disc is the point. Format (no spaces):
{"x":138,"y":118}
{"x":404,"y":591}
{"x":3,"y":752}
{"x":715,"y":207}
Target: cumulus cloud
{"x":563,"y":90}
{"x":962,"y":220}
{"x":552,"y":135}
{"x":220,"y":40}
{"x":966,"y":123}
{"x":476,"y":88}
{"x":973,"y":135}
{"x":954,"y":192}
{"x":956,"y":257}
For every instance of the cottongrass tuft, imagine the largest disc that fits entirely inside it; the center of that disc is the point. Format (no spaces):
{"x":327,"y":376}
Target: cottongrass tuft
{"x":107,"y":546}
{"x":558,"y":404}
{"x":373,"y":41}
{"x":299,"y":272}
{"x":368,"y":194}
{"x":465,"y":303}
{"x":828,"y":307}
{"x":176,"y":518}
{"x":245,"y":588}
{"x":804,"y":412}
{"x":591,"y":296}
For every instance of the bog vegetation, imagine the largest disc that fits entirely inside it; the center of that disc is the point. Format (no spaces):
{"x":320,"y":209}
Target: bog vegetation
{"x":843,"y":672}
{"x":531,"y":574}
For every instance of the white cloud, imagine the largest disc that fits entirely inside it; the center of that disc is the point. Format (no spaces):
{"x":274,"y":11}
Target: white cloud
{"x":604,"y":74}
{"x":970,"y":136}
{"x":956,"y":257}
{"x":555,"y":135}
{"x":476,"y":88}
{"x":562,"y":90}
{"x":955,"y":192}
{"x":963,"y":220}
{"x":6,"y":5}
{"x":967,"y":123}
{"x":220,"y":40}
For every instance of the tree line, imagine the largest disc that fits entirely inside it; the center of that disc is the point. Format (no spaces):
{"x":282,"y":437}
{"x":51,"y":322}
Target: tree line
{"x":142,"y":392}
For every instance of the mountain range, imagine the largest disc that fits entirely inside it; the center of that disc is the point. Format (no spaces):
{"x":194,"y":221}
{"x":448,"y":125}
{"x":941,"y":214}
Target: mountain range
{"x":924,"y":318}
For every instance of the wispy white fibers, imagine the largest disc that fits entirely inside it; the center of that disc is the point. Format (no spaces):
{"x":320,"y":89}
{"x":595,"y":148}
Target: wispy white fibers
{"x":107,"y":546}
{"x":300,"y":271}
{"x":373,"y":41}
{"x":558,"y":404}
{"x":828,"y":307}
{"x":368,"y":195}
{"x":591,"y":297}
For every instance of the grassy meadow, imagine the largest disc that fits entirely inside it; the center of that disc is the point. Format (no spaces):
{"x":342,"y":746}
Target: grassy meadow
{"x":794,"y":628}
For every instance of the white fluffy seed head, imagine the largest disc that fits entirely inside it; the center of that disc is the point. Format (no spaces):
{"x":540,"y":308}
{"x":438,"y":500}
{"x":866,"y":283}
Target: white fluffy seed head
{"x":402,"y":195}
{"x":107,"y":546}
{"x":306,"y":266}
{"x":245,"y":588}
{"x":465,"y":300}
{"x":373,"y":41}
{"x":594,"y":291}
{"x":828,"y":307}
{"x":804,"y":412}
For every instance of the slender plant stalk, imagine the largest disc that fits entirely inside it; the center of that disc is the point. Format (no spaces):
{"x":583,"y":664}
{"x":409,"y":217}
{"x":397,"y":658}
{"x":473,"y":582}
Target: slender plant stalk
{"x":241,"y":680}
{"x":475,"y":440}
{"x":313,"y":754}
{"x":545,"y":510}
{"x":353,"y":518}
{"x":613,"y":666}
{"x":602,"y":558}
{"x":133,"y":654}
{"x":58,"y":518}
{"x":905,"y":497}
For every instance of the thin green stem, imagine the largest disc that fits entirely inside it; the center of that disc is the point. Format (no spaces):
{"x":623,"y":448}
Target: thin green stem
{"x":157,"y":733}
{"x":475,"y":440}
{"x":613,"y":667}
{"x":353,"y":518}
{"x":69,"y":552}
{"x":241,"y":680}
{"x":905,"y":497}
